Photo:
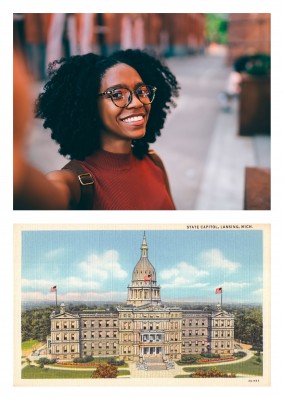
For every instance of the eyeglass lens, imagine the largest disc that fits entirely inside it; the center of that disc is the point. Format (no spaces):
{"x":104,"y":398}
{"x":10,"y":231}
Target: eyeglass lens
{"x":121,"y":96}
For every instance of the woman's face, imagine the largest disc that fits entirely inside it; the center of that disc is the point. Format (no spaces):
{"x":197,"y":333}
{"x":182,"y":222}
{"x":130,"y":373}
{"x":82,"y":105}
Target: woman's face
{"x":122,"y":123}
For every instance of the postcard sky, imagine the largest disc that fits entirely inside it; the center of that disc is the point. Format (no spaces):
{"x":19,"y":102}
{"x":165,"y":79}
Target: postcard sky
{"x":97,"y":265}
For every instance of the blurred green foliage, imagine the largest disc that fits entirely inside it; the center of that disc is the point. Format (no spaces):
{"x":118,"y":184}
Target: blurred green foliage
{"x":216,"y":28}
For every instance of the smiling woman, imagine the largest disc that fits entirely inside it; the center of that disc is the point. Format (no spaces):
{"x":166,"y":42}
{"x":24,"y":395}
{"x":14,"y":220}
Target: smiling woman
{"x":104,"y":112}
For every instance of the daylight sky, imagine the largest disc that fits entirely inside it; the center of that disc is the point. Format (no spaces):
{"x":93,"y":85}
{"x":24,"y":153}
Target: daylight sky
{"x":97,"y":265}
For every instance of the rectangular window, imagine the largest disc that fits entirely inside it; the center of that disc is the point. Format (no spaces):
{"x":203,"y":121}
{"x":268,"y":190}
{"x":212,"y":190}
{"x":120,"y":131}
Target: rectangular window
{"x":85,"y":324}
{"x":72,"y":324}
{"x":92,"y":323}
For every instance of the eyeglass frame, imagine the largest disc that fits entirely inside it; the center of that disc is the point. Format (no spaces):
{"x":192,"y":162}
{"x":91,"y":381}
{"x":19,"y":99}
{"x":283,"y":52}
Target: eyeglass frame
{"x":109,"y":92}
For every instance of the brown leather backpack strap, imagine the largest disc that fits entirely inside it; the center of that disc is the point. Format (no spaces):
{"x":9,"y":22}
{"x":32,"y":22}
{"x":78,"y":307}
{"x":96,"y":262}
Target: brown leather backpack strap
{"x":157,"y":160}
{"x":87,"y":184}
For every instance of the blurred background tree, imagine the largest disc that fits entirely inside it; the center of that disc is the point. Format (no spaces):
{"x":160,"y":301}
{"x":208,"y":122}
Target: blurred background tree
{"x":217,"y":28}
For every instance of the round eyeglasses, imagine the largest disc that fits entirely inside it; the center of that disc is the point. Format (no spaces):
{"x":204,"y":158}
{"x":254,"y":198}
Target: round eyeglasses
{"x":122,"y":96}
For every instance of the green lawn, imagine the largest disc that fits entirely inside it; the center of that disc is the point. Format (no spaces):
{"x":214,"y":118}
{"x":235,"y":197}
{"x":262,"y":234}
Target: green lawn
{"x":249,"y":367}
{"x":29,"y":344}
{"x":32,"y":372}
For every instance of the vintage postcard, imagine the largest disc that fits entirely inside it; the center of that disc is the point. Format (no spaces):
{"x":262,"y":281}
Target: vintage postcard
{"x":156,"y":305}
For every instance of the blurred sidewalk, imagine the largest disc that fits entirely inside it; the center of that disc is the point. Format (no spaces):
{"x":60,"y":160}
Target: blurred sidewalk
{"x":203,"y":154}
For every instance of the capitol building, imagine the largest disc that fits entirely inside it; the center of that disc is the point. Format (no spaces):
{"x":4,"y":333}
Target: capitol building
{"x":143,"y":328}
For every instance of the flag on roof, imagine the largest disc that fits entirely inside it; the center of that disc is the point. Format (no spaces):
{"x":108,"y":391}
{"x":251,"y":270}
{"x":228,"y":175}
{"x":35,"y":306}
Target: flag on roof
{"x":218,"y":290}
{"x":53,"y":289}
{"x":148,"y":277}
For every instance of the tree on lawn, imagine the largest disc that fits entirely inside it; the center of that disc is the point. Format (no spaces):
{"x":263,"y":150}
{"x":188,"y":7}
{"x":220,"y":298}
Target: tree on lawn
{"x":105,"y":370}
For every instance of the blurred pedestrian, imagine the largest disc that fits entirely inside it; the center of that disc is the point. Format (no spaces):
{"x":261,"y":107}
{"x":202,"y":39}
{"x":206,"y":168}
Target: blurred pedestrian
{"x":104,"y":112}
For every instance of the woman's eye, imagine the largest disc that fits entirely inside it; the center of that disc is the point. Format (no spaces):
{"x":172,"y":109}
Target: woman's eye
{"x":117,"y":95}
{"x":143,"y":92}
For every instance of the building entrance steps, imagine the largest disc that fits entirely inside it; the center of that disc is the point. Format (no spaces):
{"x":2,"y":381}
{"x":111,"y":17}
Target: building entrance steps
{"x":153,"y":360}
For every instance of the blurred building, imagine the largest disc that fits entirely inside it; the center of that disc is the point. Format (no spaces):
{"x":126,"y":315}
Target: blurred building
{"x":248,"y":34}
{"x":46,"y":37}
{"x":167,"y":34}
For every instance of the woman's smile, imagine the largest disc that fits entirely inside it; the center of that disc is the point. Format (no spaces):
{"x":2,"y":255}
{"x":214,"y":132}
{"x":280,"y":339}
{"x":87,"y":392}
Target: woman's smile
{"x":128,"y":123}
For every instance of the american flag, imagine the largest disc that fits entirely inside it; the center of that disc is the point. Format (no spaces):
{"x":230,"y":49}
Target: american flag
{"x":53,"y":289}
{"x":218,"y":290}
{"x":148,"y":277}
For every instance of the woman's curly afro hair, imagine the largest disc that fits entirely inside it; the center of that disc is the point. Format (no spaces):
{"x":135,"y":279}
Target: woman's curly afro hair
{"x":69,"y":103}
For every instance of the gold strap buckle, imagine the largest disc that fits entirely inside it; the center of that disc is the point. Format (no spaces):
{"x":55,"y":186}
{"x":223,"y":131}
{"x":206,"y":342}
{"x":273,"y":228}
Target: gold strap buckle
{"x":86,"y":179}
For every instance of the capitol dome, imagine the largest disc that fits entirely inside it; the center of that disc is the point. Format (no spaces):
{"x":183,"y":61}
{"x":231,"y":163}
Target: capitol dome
{"x":144,"y":268}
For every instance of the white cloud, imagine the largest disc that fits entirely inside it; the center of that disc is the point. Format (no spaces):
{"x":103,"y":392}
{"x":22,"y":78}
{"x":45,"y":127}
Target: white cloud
{"x":182,"y":275}
{"x":44,"y":284}
{"x":103,"y":267}
{"x":257,"y":295}
{"x":77,"y":283}
{"x":215,"y":258}
{"x":66,"y":284}
{"x":74,"y":296}
{"x":54,"y":253}
{"x":233,"y":285}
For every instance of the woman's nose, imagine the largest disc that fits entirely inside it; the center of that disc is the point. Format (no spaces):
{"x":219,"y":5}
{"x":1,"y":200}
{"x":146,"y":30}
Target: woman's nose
{"x":135,"y":102}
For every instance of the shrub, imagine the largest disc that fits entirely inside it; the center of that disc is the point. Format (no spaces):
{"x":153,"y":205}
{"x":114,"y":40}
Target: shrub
{"x":105,"y":370}
{"x":82,"y":360}
{"x":210,"y":355}
{"x":118,"y":363}
{"x":212,"y":373}
{"x":44,"y":360}
{"x":189,"y":358}
{"x":240,"y":354}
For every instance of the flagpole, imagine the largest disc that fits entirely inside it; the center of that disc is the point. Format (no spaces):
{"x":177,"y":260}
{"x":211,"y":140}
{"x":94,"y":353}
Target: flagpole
{"x":56,"y":297}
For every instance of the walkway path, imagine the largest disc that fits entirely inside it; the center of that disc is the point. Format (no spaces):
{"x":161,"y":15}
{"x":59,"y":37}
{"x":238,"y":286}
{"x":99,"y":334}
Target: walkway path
{"x":171,"y":373}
